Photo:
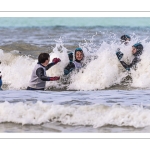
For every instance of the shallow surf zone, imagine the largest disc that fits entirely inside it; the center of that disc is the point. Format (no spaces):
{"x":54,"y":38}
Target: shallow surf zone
{"x":101,"y":68}
{"x":76,"y":108}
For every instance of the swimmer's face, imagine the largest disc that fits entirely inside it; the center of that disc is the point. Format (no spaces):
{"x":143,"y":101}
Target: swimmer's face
{"x":47,"y":61}
{"x":79,"y":55}
{"x":126,"y":42}
{"x":134,"y":50}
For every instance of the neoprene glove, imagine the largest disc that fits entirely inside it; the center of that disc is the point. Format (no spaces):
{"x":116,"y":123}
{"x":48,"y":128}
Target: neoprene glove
{"x":54,"y":78}
{"x":56,"y":60}
{"x":66,"y":71}
{"x":70,"y":55}
{"x":119,"y":54}
{"x":128,"y":69}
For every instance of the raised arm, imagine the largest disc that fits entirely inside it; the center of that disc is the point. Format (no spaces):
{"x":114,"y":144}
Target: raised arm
{"x":133,"y":64}
{"x":69,"y":68}
{"x":127,"y":67}
{"x":54,"y":62}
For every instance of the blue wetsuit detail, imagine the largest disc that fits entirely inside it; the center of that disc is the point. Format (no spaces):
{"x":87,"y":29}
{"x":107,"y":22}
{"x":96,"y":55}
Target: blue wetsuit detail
{"x":0,"y":83}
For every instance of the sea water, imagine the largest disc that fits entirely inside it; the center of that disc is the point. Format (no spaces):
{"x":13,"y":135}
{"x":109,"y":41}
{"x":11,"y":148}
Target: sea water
{"x":101,"y":97}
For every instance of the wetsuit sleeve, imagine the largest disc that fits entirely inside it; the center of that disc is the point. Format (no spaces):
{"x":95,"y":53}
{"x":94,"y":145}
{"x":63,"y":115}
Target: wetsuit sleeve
{"x":0,"y":82}
{"x":69,"y":68}
{"x":49,"y":66}
{"x":134,"y":62}
{"x":40,"y":74}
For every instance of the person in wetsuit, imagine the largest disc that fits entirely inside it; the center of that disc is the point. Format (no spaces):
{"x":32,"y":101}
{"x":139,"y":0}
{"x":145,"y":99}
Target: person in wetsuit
{"x":137,"y":50}
{"x":125,"y":39}
{"x":74,"y":64}
{"x":39,"y":77}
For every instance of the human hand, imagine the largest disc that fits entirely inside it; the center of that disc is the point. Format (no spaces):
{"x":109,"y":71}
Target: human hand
{"x":56,"y":60}
{"x":54,"y":78}
{"x":70,"y":55}
{"x":119,"y":54}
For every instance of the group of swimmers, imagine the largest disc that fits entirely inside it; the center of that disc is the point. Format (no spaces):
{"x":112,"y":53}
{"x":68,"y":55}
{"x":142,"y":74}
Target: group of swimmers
{"x":39,"y":77}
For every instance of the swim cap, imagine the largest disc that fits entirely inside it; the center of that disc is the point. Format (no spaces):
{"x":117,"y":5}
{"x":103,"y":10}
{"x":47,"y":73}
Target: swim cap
{"x":78,"y":49}
{"x":139,"y":48}
{"x":125,"y":38}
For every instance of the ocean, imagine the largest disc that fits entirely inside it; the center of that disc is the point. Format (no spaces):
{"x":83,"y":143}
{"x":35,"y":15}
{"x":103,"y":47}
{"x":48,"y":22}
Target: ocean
{"x":101,"y":97}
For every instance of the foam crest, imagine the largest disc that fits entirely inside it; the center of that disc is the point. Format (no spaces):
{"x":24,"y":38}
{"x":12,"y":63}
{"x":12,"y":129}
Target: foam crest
{"x":16,"y":69}
{"x":93,"y":115}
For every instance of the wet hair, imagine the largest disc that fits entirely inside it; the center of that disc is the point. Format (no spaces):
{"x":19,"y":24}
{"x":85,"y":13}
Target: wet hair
{"x":43,"y":57}
{"x":139,"y":49}
{"x":125,"y":37}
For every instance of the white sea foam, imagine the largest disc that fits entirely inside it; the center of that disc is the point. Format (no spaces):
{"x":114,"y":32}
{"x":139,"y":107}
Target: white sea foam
{"x":103,"y":71}
{"x":93,"y":115}
{"x":94,"y":108}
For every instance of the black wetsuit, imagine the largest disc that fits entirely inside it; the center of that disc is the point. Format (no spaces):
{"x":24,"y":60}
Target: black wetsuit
{"x":39,"y":77}
{"x":71,"y":66}
{"x":133,"y":63}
